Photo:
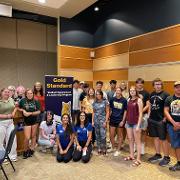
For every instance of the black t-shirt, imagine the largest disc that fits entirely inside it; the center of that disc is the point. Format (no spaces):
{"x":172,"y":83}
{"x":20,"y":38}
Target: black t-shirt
{"x":144,"y":95}
{"x":82,"y":96}
{"x":173,"y":103}
{"x":157,"y":101}
{"x":118,"y":106}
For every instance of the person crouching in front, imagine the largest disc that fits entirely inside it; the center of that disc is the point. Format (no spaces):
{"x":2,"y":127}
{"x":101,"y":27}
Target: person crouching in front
{"x":65,"y":139}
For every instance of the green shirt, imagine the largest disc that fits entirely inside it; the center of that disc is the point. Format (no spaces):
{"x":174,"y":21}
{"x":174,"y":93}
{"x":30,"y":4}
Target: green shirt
{"x":6,"y":107}
{"x":29,"y":106}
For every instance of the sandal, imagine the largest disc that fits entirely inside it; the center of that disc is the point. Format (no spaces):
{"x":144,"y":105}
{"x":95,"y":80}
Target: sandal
{"x":129,"y":158}
{"x":136,"y":163}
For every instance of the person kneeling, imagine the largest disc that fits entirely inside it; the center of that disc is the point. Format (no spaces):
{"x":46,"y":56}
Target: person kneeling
{"x":83,"y":137}
{"x":47,"y":132}
{"x":65,"y":139}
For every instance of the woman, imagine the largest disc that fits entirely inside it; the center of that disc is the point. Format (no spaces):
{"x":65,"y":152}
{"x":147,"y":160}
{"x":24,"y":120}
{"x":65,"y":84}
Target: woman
{"x":133,"y":124}
{"x":99,"y":121}
{"x":12,"y":91}
{"x":39,"y":96}
{"x":47,"y":132}
{"x":87,"y":107}
{"x":31,"y":109}
{"x":83,"y":137}
{"x":118,"y":107}
{"x":124,"y":89}
{"x":7,"y":112}
{"x":20,"y":90}
{"x":65,"y":139}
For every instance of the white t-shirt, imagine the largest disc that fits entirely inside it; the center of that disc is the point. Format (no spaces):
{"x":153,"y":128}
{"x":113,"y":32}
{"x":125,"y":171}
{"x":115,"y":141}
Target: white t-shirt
{"x":47,"y":129}
{"x":76,"y":95}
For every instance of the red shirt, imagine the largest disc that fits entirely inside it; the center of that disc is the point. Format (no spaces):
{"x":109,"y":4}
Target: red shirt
{"x":132,"y":112}
{"x":41,"y":100}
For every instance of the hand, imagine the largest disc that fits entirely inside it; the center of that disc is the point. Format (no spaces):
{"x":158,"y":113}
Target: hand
{"x":65,"y":151}
{"x":61,"y":151}
{"x":52,"y":141}
{"x":85,"y":149}
{"x":176,"y":126}
{"x":164,"y":120}
{"x":79,"y":148}
{"x":92,"y":123}
{"x":104,"y":125}
{"x":26,"y":114}
{"x":121,"y":124}
{"x":9,"y":116}
{"x":137,"y":129}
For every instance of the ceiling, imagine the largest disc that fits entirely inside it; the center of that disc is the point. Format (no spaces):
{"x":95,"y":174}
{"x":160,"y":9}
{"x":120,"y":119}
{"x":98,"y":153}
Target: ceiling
{"x":53,"y":8}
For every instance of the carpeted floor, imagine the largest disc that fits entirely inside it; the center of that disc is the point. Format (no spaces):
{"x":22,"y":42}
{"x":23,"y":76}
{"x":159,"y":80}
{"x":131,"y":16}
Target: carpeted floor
{"x":44,"y":167}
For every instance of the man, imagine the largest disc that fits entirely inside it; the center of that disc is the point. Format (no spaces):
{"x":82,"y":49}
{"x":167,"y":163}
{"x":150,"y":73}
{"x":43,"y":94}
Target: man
{"x":99,"y":85}
{"x":157,"y":123}
{"x":172,"y":113}
{"x":76,"y":95}
{"x":144,"y":95}
{"x":110,"y":94}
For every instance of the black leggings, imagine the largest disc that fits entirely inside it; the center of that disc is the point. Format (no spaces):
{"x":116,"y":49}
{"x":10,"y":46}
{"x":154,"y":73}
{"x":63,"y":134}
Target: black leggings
{"x":78,"y":154}
{"x":65,"y":157}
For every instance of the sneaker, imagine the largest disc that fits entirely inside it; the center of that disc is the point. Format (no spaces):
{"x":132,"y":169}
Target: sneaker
{"x":176,"y":167}
{"x":117,"y":153}
{"x":165,"y":161}
{"x":110,"y":150}
{"x":5,"y":162}
{"x":14,"y":159}
{"x":25,"y":154}
{"x":155,"y":158}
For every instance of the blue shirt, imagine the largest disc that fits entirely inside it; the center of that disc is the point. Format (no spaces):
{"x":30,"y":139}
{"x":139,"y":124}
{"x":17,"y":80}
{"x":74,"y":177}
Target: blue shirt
{"x":118,"y":106}
{"x":82,"y":133}
{"x":64,"y":138}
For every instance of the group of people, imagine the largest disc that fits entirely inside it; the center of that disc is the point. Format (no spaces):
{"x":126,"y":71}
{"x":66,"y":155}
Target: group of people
{"x":134,"y":113}
{"x":119,"y":112}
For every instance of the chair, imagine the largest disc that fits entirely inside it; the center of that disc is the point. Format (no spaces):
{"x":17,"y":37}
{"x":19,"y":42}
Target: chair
{"x":4,"y":154}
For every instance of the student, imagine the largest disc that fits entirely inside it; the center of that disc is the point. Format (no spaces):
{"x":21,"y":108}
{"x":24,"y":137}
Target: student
{"x":12,"y":91}
{"x":133,"y":125}
{"x":83,"y":137}
{"x":172,"y":113}
{"x":30,"y":109}
{"x":39,"y":96}
{"x":111,"y":93}
{"x":87,"y":107}
{"x":47,"y":132}
{"x":157,"y":123}
{"x":84,"y":94}
{"x":100,"y":119}
{"x":144,"y":95}
{"x":7,"y":112}
{"x":76,"y":103}
{"x":99,"y":85}
{"x":20,"y":90}
{"x":124,"y":90}
{"x":65,"y":139}
{"x":118,"y":108}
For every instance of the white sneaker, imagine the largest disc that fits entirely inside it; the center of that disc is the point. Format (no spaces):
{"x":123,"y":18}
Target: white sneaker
{"x":117,"y":153}
{"x":111,"y":150}
{"x":14,"y":159}
{"x":5,"y":162}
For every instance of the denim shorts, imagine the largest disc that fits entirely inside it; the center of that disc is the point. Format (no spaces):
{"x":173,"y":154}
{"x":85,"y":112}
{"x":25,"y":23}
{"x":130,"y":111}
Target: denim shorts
{"x":133,"y":126}
{"x":174,"y":136}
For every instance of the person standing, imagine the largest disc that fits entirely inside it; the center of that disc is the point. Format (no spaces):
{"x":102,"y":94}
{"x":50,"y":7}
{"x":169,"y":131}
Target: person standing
{"x":100,"y":119}
{"x":118,"y":108}
{"x":99,"y":86}
{"x":172,"y":114}
{"x":76,"y":102}
{"x":123,"y":86}
{"x":111,"y":92}
{"x":7,"y":112}
{"x":157,"y":123}
{"x":30,"y":109}
{"x":133,"y":124}
{"x":144,"y":95}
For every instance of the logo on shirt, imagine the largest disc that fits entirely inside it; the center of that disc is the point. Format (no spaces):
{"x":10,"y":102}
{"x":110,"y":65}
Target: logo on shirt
{"x":175,"y":107}
{"x":117,"y":105}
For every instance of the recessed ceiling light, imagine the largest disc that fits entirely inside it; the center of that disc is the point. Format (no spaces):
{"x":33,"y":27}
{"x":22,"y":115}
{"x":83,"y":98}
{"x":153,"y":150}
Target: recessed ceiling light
{"x":42,"y":1}
{"x":96,"y":8}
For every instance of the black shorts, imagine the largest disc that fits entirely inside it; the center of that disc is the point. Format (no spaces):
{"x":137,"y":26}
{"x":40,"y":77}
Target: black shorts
{"x":30,"y":123}
{"x":114,"y":124}
{"x":157,"y":129}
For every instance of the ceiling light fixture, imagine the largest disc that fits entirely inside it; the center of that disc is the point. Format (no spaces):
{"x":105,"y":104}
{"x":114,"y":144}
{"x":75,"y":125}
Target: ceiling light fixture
{"x":96,"y":9}
{"x":42,"y":1}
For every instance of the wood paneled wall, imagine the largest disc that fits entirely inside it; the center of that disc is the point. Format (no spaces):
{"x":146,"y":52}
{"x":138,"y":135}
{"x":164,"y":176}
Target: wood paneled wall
{"x":149,"y":56}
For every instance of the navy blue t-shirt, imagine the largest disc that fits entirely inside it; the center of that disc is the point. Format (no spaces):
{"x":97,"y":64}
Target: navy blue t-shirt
{"x":118,"y":106}
{"x":64,"y":138}
{"x":82,"y":133}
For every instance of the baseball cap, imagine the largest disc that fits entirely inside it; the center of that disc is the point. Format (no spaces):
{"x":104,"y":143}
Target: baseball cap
{"x":176,"y":83}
